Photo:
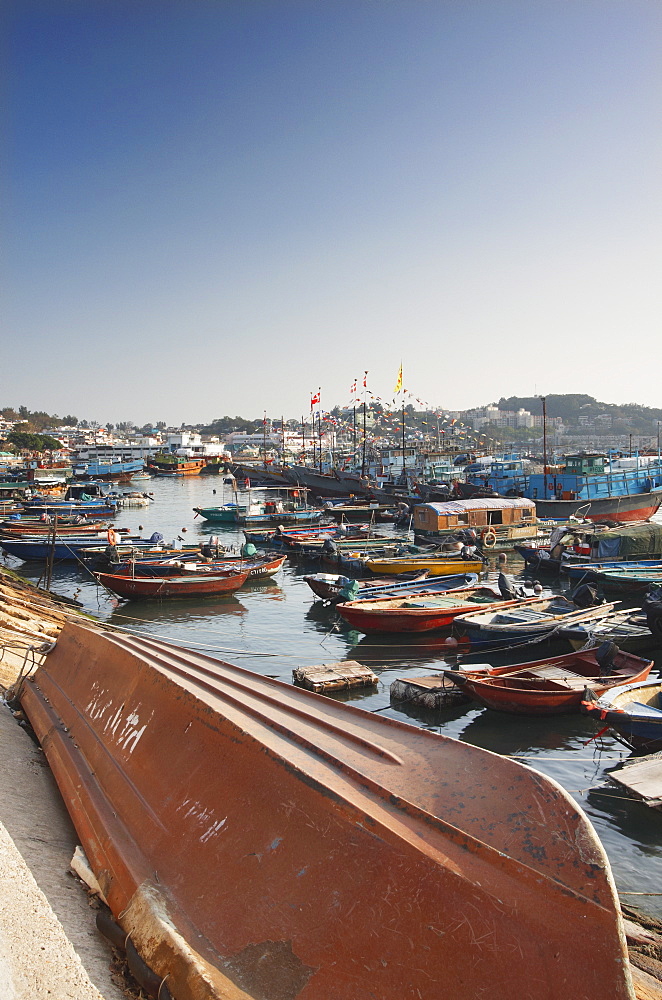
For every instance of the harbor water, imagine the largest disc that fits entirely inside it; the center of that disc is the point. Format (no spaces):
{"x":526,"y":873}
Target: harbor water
{"x":276,"y":626}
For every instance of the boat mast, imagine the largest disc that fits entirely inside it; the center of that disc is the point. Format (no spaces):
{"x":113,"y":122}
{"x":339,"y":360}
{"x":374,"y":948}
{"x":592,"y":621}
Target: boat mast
{"x":404,"y":478}
{"x":544,"y":440}
{"x":365,"y":387}
{"x":264,"y":437}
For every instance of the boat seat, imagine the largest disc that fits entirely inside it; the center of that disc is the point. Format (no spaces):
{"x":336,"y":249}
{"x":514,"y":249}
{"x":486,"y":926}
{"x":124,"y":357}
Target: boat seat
{"x":438,"y":602}
{"x":522,"y":617}
{"x":559,"y":675}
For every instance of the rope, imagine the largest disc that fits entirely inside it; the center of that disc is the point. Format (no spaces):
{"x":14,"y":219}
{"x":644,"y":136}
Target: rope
{"x":25,"y":672}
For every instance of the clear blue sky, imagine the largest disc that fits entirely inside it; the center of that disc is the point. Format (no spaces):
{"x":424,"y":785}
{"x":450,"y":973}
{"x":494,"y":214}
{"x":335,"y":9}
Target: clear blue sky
{"x":216,"y":206}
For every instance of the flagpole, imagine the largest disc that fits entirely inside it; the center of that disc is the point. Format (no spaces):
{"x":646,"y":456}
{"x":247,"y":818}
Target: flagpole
{"x":319,"y":424}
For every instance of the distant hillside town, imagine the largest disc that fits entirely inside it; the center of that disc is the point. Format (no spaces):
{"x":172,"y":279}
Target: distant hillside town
{"x":571,"y":421}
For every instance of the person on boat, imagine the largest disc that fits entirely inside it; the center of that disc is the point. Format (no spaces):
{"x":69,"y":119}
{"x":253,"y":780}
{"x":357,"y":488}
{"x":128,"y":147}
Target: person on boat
{"x":112,"y":555}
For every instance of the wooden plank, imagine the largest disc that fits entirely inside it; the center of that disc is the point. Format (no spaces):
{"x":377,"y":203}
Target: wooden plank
{"x":643,"y":779}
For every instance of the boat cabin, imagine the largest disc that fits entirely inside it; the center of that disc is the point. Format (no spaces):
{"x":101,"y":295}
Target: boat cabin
{"x":505,"y":517}
{"x":86,"y":491}
{"x":585,"y":465}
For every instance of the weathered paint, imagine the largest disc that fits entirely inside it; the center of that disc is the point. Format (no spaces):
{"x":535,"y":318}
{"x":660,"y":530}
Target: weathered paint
{"x":259,"y":841}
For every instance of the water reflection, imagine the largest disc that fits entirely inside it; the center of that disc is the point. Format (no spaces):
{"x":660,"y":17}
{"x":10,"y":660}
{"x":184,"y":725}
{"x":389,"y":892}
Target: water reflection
{"x":515,"y":734}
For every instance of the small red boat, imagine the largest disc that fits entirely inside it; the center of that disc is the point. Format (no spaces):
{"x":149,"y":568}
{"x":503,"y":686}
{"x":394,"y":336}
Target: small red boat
{"x":257,"y":568}
{"x":421,"y":612}
{"x":189,"y":585}
{"x":554,"y":685}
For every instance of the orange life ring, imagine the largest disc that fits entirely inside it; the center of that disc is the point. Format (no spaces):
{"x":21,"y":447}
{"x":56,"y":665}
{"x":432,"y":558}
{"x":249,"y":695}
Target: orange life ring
{"x":111,"y":536}
{"x":488,"y":538}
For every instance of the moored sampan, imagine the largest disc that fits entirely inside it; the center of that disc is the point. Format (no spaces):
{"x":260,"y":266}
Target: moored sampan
{"x":256,"y":840}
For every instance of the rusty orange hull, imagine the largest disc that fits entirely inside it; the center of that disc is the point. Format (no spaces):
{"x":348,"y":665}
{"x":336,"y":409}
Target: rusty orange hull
{"x":259,"y":841}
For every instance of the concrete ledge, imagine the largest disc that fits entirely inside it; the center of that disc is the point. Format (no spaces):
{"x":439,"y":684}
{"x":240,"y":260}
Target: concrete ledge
{"x":49,"y":944}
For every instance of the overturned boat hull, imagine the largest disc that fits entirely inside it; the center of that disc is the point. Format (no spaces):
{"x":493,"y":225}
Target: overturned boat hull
{"x":259,"y":841}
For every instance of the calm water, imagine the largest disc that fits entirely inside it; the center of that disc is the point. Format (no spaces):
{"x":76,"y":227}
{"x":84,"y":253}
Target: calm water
{"x":276,"y":626}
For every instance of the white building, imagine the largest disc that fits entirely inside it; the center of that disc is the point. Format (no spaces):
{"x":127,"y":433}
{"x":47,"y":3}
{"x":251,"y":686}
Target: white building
{"x":189,"y":444}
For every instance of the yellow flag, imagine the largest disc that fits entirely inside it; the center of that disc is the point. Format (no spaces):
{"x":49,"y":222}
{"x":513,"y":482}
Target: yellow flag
{"x":398,"y":384}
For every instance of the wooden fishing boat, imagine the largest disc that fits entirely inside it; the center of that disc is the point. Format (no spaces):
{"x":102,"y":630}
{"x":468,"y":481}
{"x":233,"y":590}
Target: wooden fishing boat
{"x":199,"y":584}
{"x":360,"y":512}
{"x":73,"y":508}
{"x":627,"y":628}
{"x":552,"y":686}
{"x":256,"y":840}
{"x":184,"y":566}
{"x":139,"y":548}
{"x":633,"y":581}
{"x":523,"y":622}
{"x":420,"y":612}
{"x":435,"y":564}
{"x":632,"y":712}
{"x":225,"y":514}
{"x":275,"y":516}
{"x":333,"y":586}
{"x":68,"y":547}
{"x":593,"y":572}
{"x":37,"y":528}
{"x":165,"y":464}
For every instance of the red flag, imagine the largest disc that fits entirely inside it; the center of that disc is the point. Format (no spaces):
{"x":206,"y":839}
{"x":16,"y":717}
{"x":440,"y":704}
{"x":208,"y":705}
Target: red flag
{"x":315,"y":398}
{"x":365,"y":380}
{"x":353,"y":389}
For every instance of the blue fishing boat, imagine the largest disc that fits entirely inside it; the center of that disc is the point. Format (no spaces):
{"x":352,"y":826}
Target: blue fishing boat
{"x":111,"y":471}
{"x":37,"y":548}
{"x":633,"y":713}
{"x":597,"y":489}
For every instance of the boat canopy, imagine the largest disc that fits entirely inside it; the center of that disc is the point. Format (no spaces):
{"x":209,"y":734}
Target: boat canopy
{"x":635,"y":541}
{"x":478,"y":503}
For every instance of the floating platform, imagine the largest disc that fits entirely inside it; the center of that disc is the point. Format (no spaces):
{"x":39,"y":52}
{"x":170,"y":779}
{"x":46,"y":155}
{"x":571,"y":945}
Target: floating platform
{"x":335,"y":676}
{"x":427,"y":692}
{"x":642,"y":779}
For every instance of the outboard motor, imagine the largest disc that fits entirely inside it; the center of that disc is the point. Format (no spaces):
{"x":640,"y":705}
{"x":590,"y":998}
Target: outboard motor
{"x":653,"y":609}
{"x":507,"y":588}
{"x":605,"y":655}
{"x":328,"y":547}
{"x":586,"y":596}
